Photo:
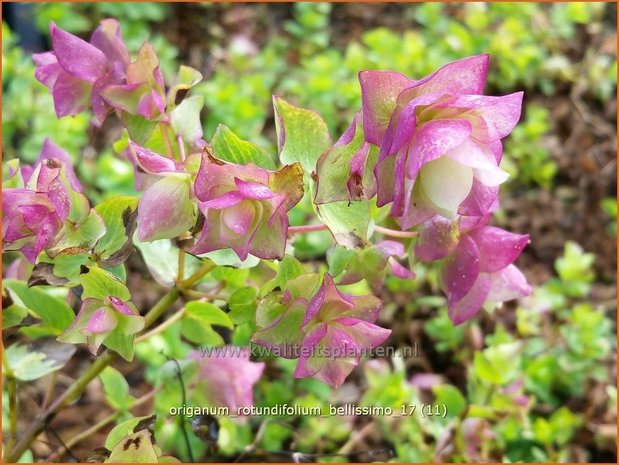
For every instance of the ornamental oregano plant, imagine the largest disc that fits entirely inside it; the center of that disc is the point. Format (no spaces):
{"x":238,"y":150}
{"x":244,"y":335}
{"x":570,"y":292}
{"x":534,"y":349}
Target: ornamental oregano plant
{"x":415,"y":178}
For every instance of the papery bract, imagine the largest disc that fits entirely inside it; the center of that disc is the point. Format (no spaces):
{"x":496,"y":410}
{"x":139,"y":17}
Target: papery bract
{"x":143,"y":90}
{"x":33,"y":216}
{"x":166,"y":208}
{"x":51,"y":150}
{"x":478,"y":264}
{"x":330,"y":330}
{"x":344,"y":172}
{"x":246,"y":207}
{"x":29,"y":222}
{"x":76,"y":71}
{"x":227,"y":376}
{"x":97,"y":319}
{"x":440,"y":150}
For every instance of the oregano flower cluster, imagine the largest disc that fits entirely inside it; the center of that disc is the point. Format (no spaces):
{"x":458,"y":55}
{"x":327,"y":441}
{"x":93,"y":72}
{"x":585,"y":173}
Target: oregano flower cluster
{"x":424,"y":153}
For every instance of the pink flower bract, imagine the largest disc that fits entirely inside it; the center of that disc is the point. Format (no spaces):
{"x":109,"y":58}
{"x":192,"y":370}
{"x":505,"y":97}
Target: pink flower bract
{"x":246,"y":207}
{"x":227,"y":376}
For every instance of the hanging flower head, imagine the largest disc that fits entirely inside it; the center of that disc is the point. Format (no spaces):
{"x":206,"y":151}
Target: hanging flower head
{"x":167,"y":207}
{"x":227,"y":377}
{"x":328,"y":332}
{"x":97,"y":319}
{"x":100,"y":75}
{"x":477,"y":263}
{"x":76,"y":71}
{"x":439,"y":138}
{"x":40,"y":201}
{"x":246,"y":207}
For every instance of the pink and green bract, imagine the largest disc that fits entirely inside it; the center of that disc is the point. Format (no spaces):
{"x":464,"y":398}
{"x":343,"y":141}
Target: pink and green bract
{"x":35,"y":210}
{"x":477,"y":263}
{"x":226,"y":377}
{"x":327,"y":330}
{"x":246,"y":207}
{"x":97,"y":319}
{"x":439,"y":138}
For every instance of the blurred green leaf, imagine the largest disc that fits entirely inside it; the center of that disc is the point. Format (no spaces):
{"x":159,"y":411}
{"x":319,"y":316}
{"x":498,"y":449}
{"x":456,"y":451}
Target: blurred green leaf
{"x":101,"y":284}
{"x":302,"y":135}
{"x":52,"y":310}
{"x":242,"y":305}
{"x":39,"y":358}
{"x":228,"y":147}
{"x":116,"y":388}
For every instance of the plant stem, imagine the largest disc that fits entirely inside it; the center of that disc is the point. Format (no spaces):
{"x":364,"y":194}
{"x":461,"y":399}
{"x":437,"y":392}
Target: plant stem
{"x":79,"y":385}
{"x":194,"y":278}
{"x":205,"y":295}
{"x":181,"y":266}
{"x":305,"y":229}
{"x":166,"y":324}
{"x":160,"y":307}
{"x":181,"y":147}
{"x":166,"y":140}
{"x":93,"y":429}
{"x":394,"y":233}
{"x":11,"y":382}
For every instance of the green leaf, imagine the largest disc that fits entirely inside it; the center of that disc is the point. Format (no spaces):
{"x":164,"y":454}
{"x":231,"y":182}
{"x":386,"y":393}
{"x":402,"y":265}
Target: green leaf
{"x":121,"y":343}
{"x":82,"y":236}
{"x":37,"y":331}
{"x":196,"y":324}
{"x":100,"y":284}
{"x":52,"y":310}
{"x":116,"y":388}
{"x":15,"y":181}
{"x":242,"y":305}
{"x":451,"y":397}
{"x":369,"y":264}
{"x":185,"y":119}
{"x":207,"y":314}
{"x":139,"y":128}
{"x":38,"y":358}
{"x":288,"y":269}
{"x":563,"y":423}
{"x":200,"y":334}
{"x":13,"y":309}
{"x":227,"y":257}
{"x":302,"y":135}
{"x":136,"y":448}
{"x":233,"y":277}
{"x":115,"y":212}
{"x":287,"y":332}
{"x":229,"y":147}
{"x":347,"y":221}
{"x":498,"y":364}
{"x":575,"y":269}
{"x":161,"y":258}
{"x":68,"y":265}
{"x":122,"y":430}
{"x":338,"y":259}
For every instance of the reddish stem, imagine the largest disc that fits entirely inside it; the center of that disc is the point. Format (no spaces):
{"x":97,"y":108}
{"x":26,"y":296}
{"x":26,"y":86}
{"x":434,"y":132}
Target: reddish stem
{"x":394,"y":233}
{"x":305,"y":229}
